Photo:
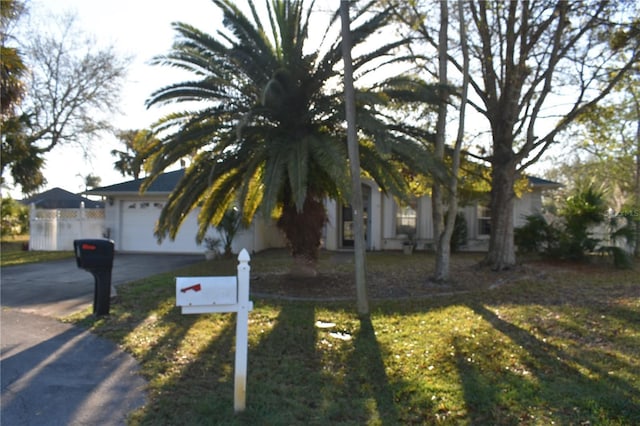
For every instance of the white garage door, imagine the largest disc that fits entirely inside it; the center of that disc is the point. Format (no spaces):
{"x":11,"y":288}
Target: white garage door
{"x":138,"y":219}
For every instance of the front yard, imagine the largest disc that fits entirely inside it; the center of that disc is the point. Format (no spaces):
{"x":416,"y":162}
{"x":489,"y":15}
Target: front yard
{"x":539,"y":345}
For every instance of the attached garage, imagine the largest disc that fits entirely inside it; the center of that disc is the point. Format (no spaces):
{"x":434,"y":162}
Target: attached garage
{"x":131,"y":216}
{"x":138,"y":219}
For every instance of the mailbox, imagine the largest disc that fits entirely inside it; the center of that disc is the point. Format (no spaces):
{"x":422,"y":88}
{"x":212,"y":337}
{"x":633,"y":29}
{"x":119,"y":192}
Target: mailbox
{"x":94,"y":253}
{"x":204,"y":291}
{"x":206,"y":295}
{"x":96,"y":256}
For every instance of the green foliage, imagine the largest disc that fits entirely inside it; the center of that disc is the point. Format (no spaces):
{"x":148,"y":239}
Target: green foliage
{"x":228,"y":227}
{"x":15,"y":217}
{"x":571,"y":238}
{"x":581,"y":211}
{"x":137,"y":143}
{"x":459,"y":236}
{"x":212,"y":243}
{"x":268,"y":127}
{"x":535,"y":235}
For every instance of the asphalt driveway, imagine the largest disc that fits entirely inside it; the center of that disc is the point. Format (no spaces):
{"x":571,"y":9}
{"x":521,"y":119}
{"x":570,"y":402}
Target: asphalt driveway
{"x":60,"y":288}
{"x":57,"y":374}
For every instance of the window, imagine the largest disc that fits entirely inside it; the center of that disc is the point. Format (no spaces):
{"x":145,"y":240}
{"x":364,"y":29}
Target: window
{"x":484,"y":220}
{"x":406,"y":219}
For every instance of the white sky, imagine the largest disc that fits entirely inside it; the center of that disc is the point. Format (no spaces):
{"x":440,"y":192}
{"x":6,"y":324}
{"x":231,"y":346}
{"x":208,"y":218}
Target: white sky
{"x":141,"y":29}
{"x":137,"y":28}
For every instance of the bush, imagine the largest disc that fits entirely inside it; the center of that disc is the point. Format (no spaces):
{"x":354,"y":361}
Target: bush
{"x":459,"y":236}
{"x":15,"y":218}
{"x":536,"y":235}
{"x":582,"y":210}
{"x":572,"y":239}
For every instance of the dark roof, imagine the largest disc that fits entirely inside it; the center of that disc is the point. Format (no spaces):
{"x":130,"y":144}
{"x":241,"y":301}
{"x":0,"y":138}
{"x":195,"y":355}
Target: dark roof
{"x":164,"y":184}
{"x":543,"y":183}
{"x":58,"y":198}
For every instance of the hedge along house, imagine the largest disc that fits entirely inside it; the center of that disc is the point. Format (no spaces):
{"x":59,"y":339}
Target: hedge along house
{"x":130,"y":218}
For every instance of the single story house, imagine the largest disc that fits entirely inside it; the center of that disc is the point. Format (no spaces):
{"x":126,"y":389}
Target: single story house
{"x":57,"y":217}
{"x":58,"y":198}
{"x":130,"y":218}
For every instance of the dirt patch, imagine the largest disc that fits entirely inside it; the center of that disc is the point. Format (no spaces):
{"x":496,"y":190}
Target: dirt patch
{"x":392,"y":276}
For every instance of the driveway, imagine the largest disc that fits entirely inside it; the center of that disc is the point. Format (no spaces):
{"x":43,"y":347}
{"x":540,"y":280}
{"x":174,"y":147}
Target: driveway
{"x":60,"y":288}
{"x":57,"y":374}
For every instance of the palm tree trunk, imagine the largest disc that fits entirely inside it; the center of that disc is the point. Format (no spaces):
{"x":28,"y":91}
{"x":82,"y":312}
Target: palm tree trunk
{"x":303,"y":231}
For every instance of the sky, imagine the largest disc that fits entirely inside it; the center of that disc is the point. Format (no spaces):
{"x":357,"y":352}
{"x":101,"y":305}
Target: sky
{"x":139,"y":29}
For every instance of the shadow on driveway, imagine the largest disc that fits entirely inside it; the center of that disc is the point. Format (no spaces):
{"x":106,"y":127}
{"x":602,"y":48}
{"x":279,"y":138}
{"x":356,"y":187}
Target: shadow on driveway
{"x":57,"y":374}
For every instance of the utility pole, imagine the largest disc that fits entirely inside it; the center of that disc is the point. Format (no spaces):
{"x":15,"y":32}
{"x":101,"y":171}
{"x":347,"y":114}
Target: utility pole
{"x":362,"y":299}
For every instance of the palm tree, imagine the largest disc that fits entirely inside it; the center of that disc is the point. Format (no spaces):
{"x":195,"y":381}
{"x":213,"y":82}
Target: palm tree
{"x":269,"y":132}
{"x":131,"y":160}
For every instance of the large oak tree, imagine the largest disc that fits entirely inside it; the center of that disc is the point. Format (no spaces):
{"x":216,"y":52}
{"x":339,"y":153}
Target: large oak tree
{"x":535,"y":66}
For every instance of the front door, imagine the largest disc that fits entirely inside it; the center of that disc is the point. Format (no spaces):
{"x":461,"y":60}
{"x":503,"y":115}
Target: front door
{"x":348,"y":236}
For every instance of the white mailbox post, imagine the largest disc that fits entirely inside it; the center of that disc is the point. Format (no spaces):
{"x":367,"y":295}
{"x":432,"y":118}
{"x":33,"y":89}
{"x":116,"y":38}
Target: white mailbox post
{"x":204,"y":295}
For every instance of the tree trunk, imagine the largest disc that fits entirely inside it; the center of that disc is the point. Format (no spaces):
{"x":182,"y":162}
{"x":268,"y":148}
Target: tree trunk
{"x":437,"y":197}
{"x":501,"y":254}
{"x":362,"y":299}
{"x":635,"y":216}
{"x":303,"y":231}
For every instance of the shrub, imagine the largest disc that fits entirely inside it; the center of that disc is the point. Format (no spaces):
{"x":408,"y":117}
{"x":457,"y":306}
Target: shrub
{"x":572,"y":239}
{"x":536,"y":235}
{"x":584,"y":209}
{"x":15,"y":217}
{"x":459,"y":236}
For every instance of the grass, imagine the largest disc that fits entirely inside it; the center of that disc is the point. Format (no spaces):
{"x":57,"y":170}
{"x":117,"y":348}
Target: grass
{"x":562,"y":349}
{"x":13,"y":252}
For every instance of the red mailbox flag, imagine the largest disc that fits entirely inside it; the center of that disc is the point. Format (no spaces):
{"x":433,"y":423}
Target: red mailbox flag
{"x":195,"y":287}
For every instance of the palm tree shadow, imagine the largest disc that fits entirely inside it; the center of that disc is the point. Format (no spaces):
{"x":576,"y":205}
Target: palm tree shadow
{"x":284,"y":369}
{"x":555,"y":367}
{"x":367,"y":377}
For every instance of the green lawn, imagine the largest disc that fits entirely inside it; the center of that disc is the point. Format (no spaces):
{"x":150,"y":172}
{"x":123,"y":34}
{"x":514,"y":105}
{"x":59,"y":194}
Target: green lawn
{"x":13,"y":252}
{"x":562,"y":350}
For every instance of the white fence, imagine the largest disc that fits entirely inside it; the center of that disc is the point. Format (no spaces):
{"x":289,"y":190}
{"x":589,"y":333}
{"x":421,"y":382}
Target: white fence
{"x":55,"y":229}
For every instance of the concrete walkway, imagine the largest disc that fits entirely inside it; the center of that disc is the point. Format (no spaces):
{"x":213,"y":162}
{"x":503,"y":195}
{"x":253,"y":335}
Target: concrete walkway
{"x":57,"y":374}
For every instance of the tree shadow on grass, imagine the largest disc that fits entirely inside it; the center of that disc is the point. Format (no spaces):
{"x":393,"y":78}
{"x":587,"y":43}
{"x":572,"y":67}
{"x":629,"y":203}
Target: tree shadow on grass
{"x":367,"y":378}
{"x":558,"y":382}
{"x":298,"y":374}
{"x":284,"y":373}
{"x":197,"y":392}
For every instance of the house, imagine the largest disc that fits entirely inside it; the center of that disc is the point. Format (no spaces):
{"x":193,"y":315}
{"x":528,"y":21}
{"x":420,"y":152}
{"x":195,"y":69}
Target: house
{"x":130,"y":219}
{"x":57,"y":217}
{"x":58,"y":198}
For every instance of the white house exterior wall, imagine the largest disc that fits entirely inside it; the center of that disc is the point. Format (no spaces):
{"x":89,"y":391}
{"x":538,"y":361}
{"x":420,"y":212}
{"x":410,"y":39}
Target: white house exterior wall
{"x":331,"y":231}
{"x":375,"y":218}
{"x":132,"y":229}
{"x":382,"y":235}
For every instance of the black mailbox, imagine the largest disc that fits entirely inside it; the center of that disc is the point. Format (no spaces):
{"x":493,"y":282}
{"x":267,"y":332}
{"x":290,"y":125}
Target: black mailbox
{"x":96,"y":256}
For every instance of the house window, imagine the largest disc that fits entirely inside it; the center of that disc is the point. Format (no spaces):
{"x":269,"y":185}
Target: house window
{"x":406,"y":219}
{"x":484,"y":220}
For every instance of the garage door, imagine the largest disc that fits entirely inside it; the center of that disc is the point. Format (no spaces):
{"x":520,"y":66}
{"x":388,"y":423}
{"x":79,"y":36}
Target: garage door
{"x":137,"y":223}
